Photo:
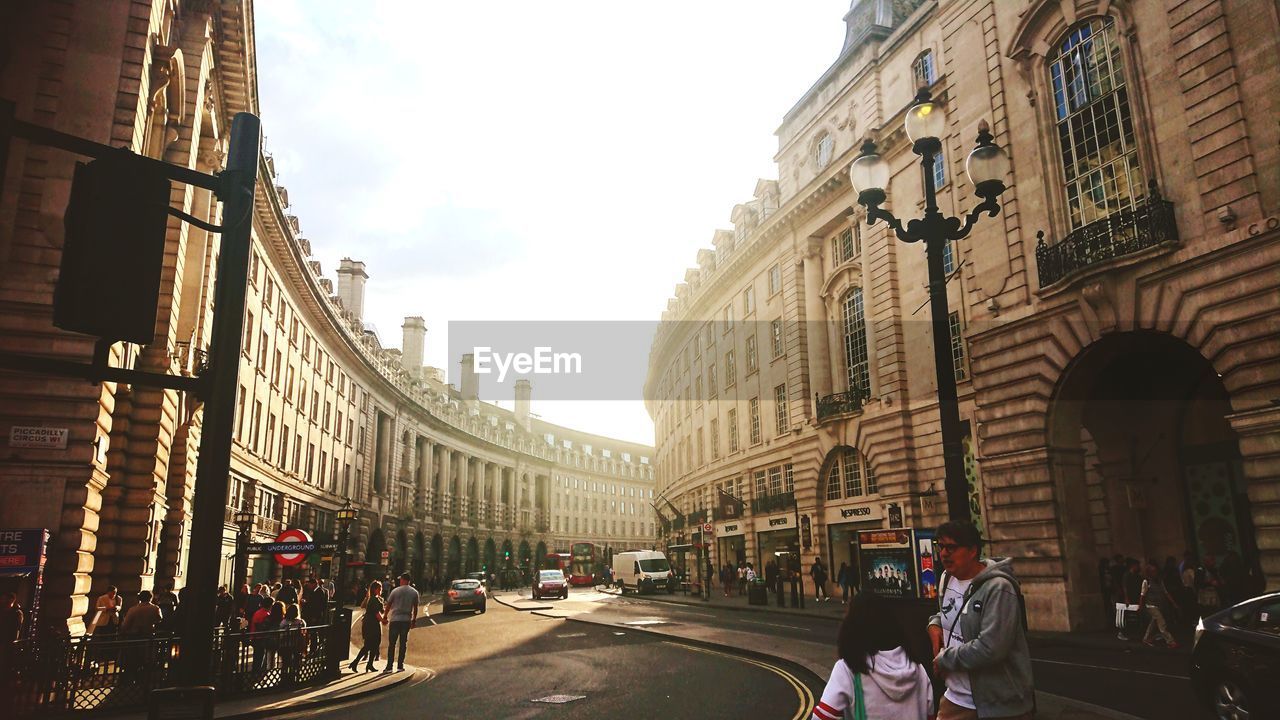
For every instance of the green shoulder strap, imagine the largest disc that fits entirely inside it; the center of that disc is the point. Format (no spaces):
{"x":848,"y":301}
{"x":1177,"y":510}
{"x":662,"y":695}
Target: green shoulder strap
{"x":859,"y":704}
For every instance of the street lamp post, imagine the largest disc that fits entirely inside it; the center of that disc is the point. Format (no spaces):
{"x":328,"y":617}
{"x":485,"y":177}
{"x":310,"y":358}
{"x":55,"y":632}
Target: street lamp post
{"x":987,"y":167}
{"x":243,"y":521}
{"x":341,"y":630}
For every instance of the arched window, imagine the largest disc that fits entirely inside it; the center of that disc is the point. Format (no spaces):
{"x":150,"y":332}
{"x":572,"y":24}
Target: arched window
{"x":845,"y":476}
{"x":855,"y":342}
{"x":1095,"y":123}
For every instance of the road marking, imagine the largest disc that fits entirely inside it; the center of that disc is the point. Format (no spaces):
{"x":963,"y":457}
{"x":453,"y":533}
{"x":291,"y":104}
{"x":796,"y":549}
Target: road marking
{"x":1111,"y":669}
{"x":803,"y":693}
{"x":789,"y":627}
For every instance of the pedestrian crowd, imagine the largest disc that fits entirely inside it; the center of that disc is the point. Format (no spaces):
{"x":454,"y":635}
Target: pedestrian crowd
{"x":970,"y":661}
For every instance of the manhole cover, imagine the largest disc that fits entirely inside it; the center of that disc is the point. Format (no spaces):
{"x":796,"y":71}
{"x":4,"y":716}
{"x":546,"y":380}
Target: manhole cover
{"x":559,"y":699}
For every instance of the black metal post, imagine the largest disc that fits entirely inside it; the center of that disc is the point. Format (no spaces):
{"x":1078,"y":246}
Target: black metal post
{"x":957,"y":486}
{"x":795,"y":505}
{"x":236,"y":192}
{"x":240,"y":573}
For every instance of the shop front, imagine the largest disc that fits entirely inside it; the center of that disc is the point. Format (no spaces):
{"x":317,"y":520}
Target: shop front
{"x":843,"y":524}
{"x":777,"y":539}
{"x":731,"y":543}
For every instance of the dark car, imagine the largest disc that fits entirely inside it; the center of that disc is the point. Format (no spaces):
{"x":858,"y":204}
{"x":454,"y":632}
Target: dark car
{"x":550,"y":583}
{"x":464,"y":595}
{"x":1236,"y":660}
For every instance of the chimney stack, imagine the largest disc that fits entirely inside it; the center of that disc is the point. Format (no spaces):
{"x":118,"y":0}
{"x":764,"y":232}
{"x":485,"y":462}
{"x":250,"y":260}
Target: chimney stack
{"x":524,"y":392}
{"x":413,"y":343}
{"x":470,"y":381}
{"x":351,"y":279}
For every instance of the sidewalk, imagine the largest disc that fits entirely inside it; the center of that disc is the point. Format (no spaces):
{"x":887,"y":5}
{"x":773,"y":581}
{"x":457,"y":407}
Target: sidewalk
{"x":349,"y":686}
{"x":816,"y":657}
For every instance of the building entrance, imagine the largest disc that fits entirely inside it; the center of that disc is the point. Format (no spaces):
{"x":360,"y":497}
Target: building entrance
{"x":1150,"y":467}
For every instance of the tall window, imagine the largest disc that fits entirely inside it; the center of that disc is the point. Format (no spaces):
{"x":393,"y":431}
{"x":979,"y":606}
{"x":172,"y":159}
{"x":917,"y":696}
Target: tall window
{"x":775,"y":279}
{"x":754,"y":410}
{"x":845,"y":246}
{"x":715,"y":439}
{"x":923,"y":70}
{"x":780,"y":405}
{"x":752,"y":363}
{"x":825,"y":150}
{"x":712,"y":387}
{"x":855,"y":343}
{"x":730,"y":369}
{"x":732,"y":421}
{"x":775,"y":330}
{"x":957,"y":345}
{"x":1095,"y":124}
{"x":852,"y":473}
{"x":833,"y":482}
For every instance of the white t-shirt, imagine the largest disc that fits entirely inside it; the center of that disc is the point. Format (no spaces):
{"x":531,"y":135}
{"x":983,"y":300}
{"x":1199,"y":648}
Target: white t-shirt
{"x":959,"y":691}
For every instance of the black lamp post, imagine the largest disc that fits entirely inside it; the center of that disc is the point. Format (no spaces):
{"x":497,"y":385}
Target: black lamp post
{"x":243,"y":521}
{"x":987,"y":167}
{"x":346,"y":515}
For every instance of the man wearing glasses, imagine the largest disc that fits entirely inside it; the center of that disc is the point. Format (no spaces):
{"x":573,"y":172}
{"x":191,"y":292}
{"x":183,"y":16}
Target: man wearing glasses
{"x":979,"y":633}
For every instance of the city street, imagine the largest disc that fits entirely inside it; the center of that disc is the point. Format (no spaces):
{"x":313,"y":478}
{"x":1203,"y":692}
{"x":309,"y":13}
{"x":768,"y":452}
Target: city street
{"x":651,"y":654}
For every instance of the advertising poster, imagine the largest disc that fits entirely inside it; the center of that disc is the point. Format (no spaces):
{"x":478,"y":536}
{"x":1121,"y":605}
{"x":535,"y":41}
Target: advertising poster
{"x":929,"y":566}
{"x":888,"y":563}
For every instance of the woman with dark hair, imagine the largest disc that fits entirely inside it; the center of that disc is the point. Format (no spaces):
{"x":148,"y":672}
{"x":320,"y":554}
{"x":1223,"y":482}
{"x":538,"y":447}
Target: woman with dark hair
{"x":371,"y":627}
{"x":881,"y":671}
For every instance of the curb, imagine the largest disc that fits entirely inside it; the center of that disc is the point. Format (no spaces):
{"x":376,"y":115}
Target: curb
{"x":521,"y":609}
{"x":284,"y":706}
{"x":736,"y":608}
{"x":1041,"y":638}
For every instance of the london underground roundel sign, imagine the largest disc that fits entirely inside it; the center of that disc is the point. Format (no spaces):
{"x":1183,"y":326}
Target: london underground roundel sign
{"x":292,"y":535}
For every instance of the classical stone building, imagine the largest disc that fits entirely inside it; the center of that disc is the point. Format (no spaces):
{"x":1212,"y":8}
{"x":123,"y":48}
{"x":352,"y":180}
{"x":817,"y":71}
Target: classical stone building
{"x":1113,"y":330}
{"x":325,"y":414}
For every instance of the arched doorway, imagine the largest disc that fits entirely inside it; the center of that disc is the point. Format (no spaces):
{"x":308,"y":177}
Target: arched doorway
{"x":455,"y":558}
{"x":419,"y":558}
{"x":473,"y":556}
{"x":540,"y":556}
{"x":373,"y":555}
{"x":401,"y":553}
{"x":1148,"y":464}
{"x":437,"y":556}
{"x":490,"y":556}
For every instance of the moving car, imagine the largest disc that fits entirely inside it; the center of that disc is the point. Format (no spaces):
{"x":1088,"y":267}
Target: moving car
{"x":643,"y":571}
{"x":1236,"y":659}
{"x":464,"y":594}
{"x":551,"y":582}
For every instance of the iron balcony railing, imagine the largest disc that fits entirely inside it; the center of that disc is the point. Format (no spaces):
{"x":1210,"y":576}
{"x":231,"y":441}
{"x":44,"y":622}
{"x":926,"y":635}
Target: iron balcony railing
{"x":51,"y":676}
{"x":772,"y":503}
{"x":840,"y":403}
{"x":1145,"y":225}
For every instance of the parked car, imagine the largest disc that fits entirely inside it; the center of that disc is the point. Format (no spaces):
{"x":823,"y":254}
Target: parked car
{"x":552,"y":583}
{"x":1236,"y":659}
{"x":466,"y":594}
{"x":482,"y":577}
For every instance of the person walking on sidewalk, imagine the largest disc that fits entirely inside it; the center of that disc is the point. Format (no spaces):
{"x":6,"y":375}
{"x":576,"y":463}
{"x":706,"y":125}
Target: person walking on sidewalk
{"x":402,"y":612}
{"x":818,"y":572}
{"x":979,"y":633}
{"x":879,"y":674}
{"x":370,"y":627}
{"x":843,"y":579}
{"x":1156,"y":599}
{"x":1131,"y":592}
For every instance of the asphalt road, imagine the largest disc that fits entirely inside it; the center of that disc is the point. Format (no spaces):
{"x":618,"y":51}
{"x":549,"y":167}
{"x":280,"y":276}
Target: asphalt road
{"x":501,"y":663}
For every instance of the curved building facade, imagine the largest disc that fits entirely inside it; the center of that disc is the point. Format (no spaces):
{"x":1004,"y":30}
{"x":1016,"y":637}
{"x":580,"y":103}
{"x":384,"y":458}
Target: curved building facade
{"x":1108,"y":329}
{"x":443,"y":483}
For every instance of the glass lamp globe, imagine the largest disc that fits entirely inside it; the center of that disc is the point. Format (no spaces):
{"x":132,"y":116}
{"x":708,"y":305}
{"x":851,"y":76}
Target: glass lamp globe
{"x":926,"y":119}
{"x":988,"y":164}
{"x":869,"y":172}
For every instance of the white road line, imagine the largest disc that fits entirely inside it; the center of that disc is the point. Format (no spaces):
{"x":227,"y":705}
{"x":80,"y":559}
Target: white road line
{"x":789,"y":627}
{"x":1111,"y":669}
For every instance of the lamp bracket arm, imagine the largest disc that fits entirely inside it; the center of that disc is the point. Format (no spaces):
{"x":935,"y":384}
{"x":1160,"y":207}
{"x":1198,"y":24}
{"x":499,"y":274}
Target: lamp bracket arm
{"x":876,"y":213}
{"x":989,"y":205}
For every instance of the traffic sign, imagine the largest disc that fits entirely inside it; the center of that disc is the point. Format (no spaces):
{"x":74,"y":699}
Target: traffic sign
{"x":706,"y":527}
{"x":294,"y":557}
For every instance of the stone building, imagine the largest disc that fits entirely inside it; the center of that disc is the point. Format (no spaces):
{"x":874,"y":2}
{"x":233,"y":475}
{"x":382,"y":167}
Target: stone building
{"x":325,"y":414}
{"x":1113,"y":329}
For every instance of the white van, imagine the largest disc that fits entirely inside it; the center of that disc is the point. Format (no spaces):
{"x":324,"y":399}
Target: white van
{"x":643,"y":571}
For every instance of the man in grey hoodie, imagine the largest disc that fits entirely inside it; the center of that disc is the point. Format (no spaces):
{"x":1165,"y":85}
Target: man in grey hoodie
{"x":979,"y":633}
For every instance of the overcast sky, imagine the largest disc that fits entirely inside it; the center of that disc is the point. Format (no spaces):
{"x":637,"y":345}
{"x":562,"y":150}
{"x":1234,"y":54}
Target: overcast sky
{"x":529,"y":161}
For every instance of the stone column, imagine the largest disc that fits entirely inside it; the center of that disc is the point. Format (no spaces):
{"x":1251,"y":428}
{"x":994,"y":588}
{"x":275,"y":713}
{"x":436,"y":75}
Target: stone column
{"x":1260,"y":455}
{"x":464,"y":494}
{"x":423,"y":480}
{"x":816,"y":319}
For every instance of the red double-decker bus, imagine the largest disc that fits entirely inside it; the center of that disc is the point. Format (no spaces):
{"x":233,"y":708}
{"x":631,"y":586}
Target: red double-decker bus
{"x":557,"y":561}
{"x":586,"y":563}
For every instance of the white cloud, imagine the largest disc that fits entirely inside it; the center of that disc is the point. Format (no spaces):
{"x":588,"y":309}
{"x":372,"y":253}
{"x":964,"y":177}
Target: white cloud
{"x":512,"y":160}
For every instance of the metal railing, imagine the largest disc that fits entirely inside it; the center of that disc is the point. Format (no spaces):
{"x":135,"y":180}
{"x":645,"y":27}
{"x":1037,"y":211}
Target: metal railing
{"x":1147,"y":224}
{"x":82,"y":674}
{"x":840,"y":403}
{"x":771,"y":503}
